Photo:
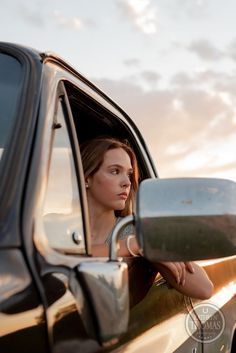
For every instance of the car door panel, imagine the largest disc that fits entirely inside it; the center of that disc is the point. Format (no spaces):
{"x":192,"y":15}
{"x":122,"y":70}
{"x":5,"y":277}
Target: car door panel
{"x":22,"y":320}
{"x":68,"y":312}
{"x":222,"y":272}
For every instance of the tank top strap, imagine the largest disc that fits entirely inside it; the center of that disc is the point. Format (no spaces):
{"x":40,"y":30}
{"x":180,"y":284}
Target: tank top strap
{"x":128,"y":230}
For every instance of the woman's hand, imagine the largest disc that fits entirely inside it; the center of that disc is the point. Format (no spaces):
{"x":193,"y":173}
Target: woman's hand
{"x":177,"y":269}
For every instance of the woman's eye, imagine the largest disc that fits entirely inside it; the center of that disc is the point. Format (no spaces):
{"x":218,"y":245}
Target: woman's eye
{"x":114,"y":171}
{"x":130,"y":176}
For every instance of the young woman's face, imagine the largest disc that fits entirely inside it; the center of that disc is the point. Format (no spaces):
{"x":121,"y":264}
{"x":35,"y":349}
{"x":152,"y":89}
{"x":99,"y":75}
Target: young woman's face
{"x":109,"y":187}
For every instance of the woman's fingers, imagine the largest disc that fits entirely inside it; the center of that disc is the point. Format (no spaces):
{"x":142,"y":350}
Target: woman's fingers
{"x":189,"y":267}
{"x":182,"y":272}
{"x":182,"y":268}
{"x":178,"y":270}
{"x":171,"y":266}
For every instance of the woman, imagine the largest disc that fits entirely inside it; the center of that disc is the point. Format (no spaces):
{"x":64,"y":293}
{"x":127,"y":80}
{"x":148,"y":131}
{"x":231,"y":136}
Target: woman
{"x":111,"y":180}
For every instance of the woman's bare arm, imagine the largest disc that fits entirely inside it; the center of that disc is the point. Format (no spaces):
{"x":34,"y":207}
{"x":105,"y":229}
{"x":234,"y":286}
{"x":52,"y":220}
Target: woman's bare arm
{"x":194,"y":283}
{"x":186,"y":277}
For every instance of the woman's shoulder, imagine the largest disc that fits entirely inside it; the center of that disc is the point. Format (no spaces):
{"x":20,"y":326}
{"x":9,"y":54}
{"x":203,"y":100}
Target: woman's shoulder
{"x":128,"y":230}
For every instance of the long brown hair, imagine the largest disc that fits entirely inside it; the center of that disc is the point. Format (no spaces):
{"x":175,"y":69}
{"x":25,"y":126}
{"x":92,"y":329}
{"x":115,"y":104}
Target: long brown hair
{"x":92,"y":154}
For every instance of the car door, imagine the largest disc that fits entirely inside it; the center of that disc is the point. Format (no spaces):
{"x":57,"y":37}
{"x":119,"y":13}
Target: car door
{"x":218,"y":314}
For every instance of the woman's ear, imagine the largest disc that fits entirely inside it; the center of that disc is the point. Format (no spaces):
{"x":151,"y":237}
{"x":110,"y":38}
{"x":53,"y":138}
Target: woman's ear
{"x":87,"y":183}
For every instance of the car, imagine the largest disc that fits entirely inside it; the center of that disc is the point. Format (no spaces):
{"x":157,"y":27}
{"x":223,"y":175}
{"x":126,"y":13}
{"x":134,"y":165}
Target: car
{"x":56,"y":297}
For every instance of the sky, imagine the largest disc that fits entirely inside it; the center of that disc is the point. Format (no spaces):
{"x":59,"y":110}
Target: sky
{"x":170,"y":64}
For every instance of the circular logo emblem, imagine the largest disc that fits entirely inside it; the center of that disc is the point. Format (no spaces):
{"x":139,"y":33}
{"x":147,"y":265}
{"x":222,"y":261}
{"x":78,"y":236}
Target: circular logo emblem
{"x":207,"y":326}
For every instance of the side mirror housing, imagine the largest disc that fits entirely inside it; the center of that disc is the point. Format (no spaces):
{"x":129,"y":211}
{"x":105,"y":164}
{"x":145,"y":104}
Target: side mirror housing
{"x":106,"y":286}
{"x":186,"y":219}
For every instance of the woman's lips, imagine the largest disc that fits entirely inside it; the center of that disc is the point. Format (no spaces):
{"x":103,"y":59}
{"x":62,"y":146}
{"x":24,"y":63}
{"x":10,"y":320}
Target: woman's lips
{"x":123,"y":195}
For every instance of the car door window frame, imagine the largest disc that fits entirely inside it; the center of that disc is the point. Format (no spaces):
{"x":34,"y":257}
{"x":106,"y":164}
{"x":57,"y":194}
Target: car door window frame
{"x":78,"y":170}
{"x":62,"y":218}
{"x":53,"y":255}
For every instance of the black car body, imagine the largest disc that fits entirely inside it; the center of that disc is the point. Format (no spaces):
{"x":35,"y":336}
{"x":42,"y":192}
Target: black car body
{"x":55,"y":297}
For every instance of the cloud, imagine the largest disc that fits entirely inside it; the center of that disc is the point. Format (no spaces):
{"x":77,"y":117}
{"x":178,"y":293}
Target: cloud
{"x":205,"y":50}
{"x":32,"y":14}
{"x":182,"y":79}
{"x":214,"y":157}
{"x":132,"y":62}
{"x":228,"y":84}
{"x":145,"y":78}
{"x":232,"y":50}
{"x":150,"y":77}
{"x":193,"y":9}
{"x":203,"y":76}
{"x":215,"y":80}
{"x":38,"y":14}
{"x":141,"y":13}
{"x":187,"y":130}
{"x":74,"y":23}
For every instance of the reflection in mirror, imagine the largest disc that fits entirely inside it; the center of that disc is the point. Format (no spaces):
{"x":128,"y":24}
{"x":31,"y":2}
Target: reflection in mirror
{"x":186,"y":219}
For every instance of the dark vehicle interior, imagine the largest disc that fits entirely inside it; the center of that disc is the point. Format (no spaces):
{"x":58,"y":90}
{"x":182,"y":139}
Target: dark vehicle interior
{"x":91,"y":119}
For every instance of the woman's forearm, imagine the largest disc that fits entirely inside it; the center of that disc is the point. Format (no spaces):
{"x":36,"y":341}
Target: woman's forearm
{"x":196,"y":284}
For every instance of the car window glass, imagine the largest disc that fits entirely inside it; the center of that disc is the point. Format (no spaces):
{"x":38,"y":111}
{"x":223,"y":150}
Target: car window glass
{"x":62,"y":215}
{"x":10,"y":87}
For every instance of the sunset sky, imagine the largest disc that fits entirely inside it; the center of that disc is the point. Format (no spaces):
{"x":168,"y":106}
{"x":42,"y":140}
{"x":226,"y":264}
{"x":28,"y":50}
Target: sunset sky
{"x":171,"y":64}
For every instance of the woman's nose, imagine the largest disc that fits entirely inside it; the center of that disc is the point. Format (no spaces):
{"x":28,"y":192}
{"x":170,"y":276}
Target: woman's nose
{"x":126,"y":181}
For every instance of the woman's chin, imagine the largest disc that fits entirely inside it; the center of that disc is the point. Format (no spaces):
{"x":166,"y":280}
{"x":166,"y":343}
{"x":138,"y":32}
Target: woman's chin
{"x":120,"y":205}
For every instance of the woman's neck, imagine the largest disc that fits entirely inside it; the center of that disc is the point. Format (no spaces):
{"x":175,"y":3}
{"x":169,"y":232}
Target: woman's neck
{"x":101,"y":224}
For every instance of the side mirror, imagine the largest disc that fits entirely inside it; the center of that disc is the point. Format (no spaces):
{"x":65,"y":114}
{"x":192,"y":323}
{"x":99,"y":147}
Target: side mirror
{"x":106,"y":286}
{"x":186,"y":219}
